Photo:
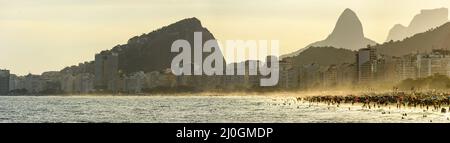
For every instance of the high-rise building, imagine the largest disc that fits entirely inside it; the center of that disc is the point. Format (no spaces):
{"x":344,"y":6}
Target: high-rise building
{"x":342,"y":75}
{"x":34,"y":84}
{"x":289,"y":75}
{"x":83,"y":83}
{"x":406,"y":67}
{"x":331,"y":76}
{"x":366,"y":65}
{"x":134,"y":83}
{"x":12,"y":82}
{"x":67,"y":83}
{"x":346,"y":74}
{"x":4,"y":82}
{"x":386,"y":69}
{"x":106,"y":70}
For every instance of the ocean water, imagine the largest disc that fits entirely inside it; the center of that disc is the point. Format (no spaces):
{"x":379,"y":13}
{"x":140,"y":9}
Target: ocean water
{"x":194,"y":109}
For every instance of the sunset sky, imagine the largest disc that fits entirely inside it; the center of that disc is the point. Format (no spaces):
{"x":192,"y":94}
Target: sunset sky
{"x":48,"y":35}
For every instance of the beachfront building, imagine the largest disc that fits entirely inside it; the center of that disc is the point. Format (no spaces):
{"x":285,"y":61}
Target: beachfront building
{"x":67,"y":83}
{"x":346,"y":74}
{"x":239,"y":80}
{"x":13,"y":82}
{"x":252,"y":76}
{"x":85,"y":67}
{"x":4,"y":82}
{"x":437,"y":62}
{"x":386,"y":69}
{"x":83,"y":83}
{"x":134,"y":83}
{"x":310,"y":76}
{"x":406,"y":67}
{"x":33,"y":84}
{"x":106,"y":71}
{"x":331,"y":76}
{"x":16,"y":83}
{"x":339,"y":75}
{"x":366,"y":62}
{"x":51,"y":81}
{"x":163,"y":78}
{"x":288,"y":76}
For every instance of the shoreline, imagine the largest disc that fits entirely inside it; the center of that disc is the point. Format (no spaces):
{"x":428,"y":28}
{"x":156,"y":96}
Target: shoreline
{"x":237,"y":93}
{"x":338,"y":93}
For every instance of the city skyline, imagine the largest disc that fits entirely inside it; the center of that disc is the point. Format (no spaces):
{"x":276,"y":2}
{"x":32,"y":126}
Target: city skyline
{"x":64,"y":33}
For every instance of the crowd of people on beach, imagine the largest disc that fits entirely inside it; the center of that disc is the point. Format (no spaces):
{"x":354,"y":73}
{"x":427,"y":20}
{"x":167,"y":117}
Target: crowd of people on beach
{"x":436,"y":101}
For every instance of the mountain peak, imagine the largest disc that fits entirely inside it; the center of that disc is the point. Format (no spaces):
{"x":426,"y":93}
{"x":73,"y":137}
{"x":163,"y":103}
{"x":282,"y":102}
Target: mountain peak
{"x":348,"y":34}
{"x":151,"y":52}
{"x":193,"y":21}
{"x":349,"y":25}
{"x":348,"y":11}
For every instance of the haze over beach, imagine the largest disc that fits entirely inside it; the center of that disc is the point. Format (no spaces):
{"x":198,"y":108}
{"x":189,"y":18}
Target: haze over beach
{"x":191,"y":61}
{"x":39,"y":36}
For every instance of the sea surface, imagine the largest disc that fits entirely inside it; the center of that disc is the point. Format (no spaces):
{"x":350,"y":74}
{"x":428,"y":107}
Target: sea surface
{"x":194,"y":109}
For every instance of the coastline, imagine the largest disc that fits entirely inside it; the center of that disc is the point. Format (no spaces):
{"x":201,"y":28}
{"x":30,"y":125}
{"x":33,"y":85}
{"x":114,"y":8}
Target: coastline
{"x":251,"y":93}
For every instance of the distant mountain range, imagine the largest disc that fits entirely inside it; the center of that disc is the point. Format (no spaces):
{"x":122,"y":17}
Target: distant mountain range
{"x":438,"y":38}
{"x":427,"y":40}
{"x":348,"y":34}
{"x":151,"y":52}
{"x":427,"y":19}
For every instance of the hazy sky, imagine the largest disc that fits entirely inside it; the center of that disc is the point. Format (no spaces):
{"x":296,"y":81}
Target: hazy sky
{"x":48,"y":35}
